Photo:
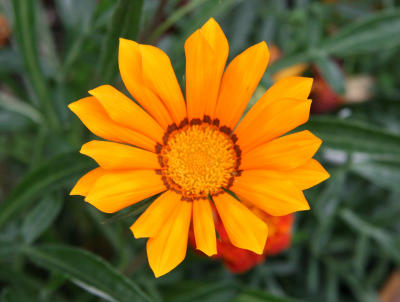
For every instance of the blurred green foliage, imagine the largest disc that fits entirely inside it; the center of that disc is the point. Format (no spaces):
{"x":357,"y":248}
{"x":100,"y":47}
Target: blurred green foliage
{"x":343,"y":249}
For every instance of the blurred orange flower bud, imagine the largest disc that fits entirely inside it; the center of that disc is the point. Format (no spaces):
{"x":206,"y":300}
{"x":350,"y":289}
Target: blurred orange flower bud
{"x":325,"y":99}
{"x":239,"y":260}
{"x":358,"y":89}
{"x":294,"y":70}
{"x":4,"y":30}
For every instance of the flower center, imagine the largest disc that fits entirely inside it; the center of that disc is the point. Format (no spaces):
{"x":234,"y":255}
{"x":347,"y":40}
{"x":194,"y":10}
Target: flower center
{"x":198,"y":160}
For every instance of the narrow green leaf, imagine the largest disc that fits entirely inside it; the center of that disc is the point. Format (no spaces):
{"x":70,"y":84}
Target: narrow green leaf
{"x":383,"y":238}
{"x":25,"y":32}
{"x":75,"y":13}
{"x":361,"y":253}
{"x":10,"y":61}
{"x":40,"y":218}
{"x":175,"y":17}
{"x":331,"y":72}
{"x":11,"y":294}
{"x":17,"y":278}
{"x":354,"y":136}
{"x":379,"y":272}
{"x":87,"y":271}
{"x":313,"y":277}
{"x":124,"y":24}
{"x":383,"y":172}
{"x":374,"y":32}
{"x":363,"y":226}
{"x":13,"y":104}
{"x":243,"y":24}
{"x":49,"y":58}
{"x":11,"y":121}
{"x":49,"y":176}
{"x":203,"y":292}
{"x":261,"y":296}
{"x":332,"y":286}
{"x":8,"y":249}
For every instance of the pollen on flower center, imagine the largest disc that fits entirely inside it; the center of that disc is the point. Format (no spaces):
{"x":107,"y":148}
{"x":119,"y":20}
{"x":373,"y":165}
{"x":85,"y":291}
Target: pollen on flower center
{"x":198,"y":160}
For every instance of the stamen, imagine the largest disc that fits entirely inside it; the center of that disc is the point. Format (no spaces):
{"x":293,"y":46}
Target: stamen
{"x":198,"y":158}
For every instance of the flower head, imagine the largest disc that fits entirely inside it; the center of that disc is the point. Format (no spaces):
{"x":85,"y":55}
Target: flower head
{"x":196,"y":153}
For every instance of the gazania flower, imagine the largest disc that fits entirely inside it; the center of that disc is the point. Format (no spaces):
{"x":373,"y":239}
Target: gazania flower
{"x":195,"y":153}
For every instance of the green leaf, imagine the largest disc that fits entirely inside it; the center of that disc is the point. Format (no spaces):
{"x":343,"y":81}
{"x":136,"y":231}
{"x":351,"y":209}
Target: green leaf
{"x":381,"y":236}
{"x":75,"y":13}
{"x":12,"y":294}
{"x":124,"y":24}
{"x":174,"y":18}
{"x":374,"y":32}
{"x":202,"y":292}
{"x":352,"y":136}
{"x":10,"y":61}
{"x":261,"y":296}
{"x":7,"y":249}
{"x":331,"y":72}
{"x":242,"y":26}
{"x":382,"y":172}
{"x":47,"y":177}
{"x":25,"y":33}
{"x":88,"y":271}
{"x":362,"y":226}
{"x":13,"y":104}
{"x":40,"y":218}
{"x":11,"y":121}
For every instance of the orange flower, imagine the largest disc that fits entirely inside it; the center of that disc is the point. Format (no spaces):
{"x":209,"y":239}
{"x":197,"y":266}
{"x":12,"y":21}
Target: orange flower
{"x":325,"y":98}
{"x":240,"y":260}
{"x":188,"y":151}
{"x":293,"y":70}
{"x":4,"y":30}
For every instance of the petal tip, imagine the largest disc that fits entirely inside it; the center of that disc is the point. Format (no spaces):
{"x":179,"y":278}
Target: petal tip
{"x":209,"y":252}
{"x":210,"y":22}
{"x":125,"y":43}
{"x":72,"y":106}
{"x":134,"y":233}
{"x":73,"y":192}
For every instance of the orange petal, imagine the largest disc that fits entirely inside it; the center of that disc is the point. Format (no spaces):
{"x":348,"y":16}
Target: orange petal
{"x":117,"y":190}
{"x":132,"y":74}
{"x":239,"y":82}
{"x":276,"y":197}
{"x":124,"y":111}
{"x":206,"y":54}
{"x":86,"y":182}
{"x":291,"y":87}
{"x":159,"y":76}
{"x":308,"y":175}
{"x":168,"y":249}
{"x":117,"y":156}
{"x":303,"y":177}
{"x":245,"y":230}
{"x":284,"y":153}
{"x":203,"y":226}
{"x":95,"y":118}
{"x":279,"y":118}
{"x":150,"y":223}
